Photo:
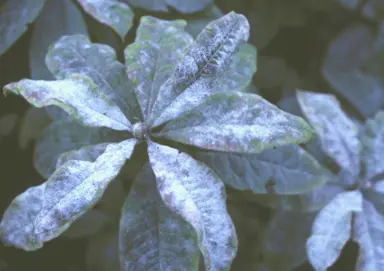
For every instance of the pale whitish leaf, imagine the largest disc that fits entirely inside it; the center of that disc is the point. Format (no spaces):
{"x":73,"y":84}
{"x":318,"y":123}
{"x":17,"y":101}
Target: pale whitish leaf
{"x":159,"y":45}
{"x":236,"y":122}
{"x":42,"y":213}
{"x":375,"y":194}
{"x":76,"y":54}
{"x":15,"y":16}
{"x":192,"y":190}
{"x":343,"y":65}
{"x":338,"y":134}
{"x":183,"y":6}
{"x":373,"y":146}
{"x":78,"y":96}
{"x":152,"y":237}
{"x":58,"y":18}
{"x":86,"y":153}
{"x":102,"y":252}
{"x":64,"y":136}
{"x":332,"y":229}
{"x":205,"y":60}
{"x":113,"y":13}
{"x":286,"y":170}
{"x":368,"y":232}
{"x":283,"y":245}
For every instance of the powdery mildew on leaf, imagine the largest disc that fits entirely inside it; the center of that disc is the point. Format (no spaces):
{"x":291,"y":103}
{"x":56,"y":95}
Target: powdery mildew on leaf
{"x":206,"y":58}
{"x":237,"y":122}
{"x":151,"y":236}
{"x":76,"y":54}
{"x":73,"y":189}
{"x":373,"y":146}
{"x":332,"y":229}
{"x":113,"y":13}
{"x":183,"y":6}
{"x":338,"y":134}
{"x":192,"y":190}
{"x":369,"y":234}
{"x":15,"y":15}
{"x":78,"y":96}
{"x":87,"y":153}
{"x":150,"y":60}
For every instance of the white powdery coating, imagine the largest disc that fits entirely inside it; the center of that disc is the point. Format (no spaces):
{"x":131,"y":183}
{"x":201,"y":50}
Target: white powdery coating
{"x":193,"y":191}
{"x":152,"y":237}
{"x":78,"y":96}
{"x":338,"y":134}
{"x":369,"y":234}
{"x":373,"y":143}
{"x":87,"y":153}
{"x":332,"y":229}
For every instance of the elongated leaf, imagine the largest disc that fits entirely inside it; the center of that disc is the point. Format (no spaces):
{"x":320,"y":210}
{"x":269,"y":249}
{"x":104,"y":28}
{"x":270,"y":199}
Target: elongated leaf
{"x":283,"y":246}
{"x":42,"y":213}
{"x":207,"y":58}
{"x":76,"y":54}
{"x":285,"y":170}
{"x":332,"y":229}
{"x":237,"y":122}
{"x":192,"y":190}
{"x":15,"y":15}
{"x":152,"y":236}
{"x":183,"y":6}
{"x":113,"y":13}
{"x":78,"y":96}
{"x":58,"y":18}
{"x":151,"y":59}
{"x":369,"y":234}
{"x":373,"y":143}
{"x":337,"y":133}
{"x":64,"y":136}
{"x":86,"y":153}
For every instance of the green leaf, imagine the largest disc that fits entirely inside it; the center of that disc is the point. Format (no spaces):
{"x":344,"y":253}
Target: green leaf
{"x":152,"y":237}
{"x":58,"y":18}
{"x":236,"y":122}
{"x":338,"y":134}
{"x":76,"y":54}
{"x":283,"y":245}
{"x":43,"y":212}
{"x":332,"y":229}
{"x":113,"y":13}
{"x":286,"y":170}
{"x":368,"y":232}
{"x":373,"y":146}
{"x":15,"y":16}
{"x":192,"y":190}
{"x":159,"y":45}
{"x":78,"y":96}
{"x":183,"y":6}
{"x":64,"y":136}
{"x":197,"y":74}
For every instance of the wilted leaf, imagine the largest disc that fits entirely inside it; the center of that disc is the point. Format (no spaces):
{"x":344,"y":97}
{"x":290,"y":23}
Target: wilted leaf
{"x":368,"y":232}
{"x":338,"y":134}
{"x":332,"y":229}
{"x":76,"y":54}
{"x":15,"y":16}
{"x":58,"y":18}
{"x":285,"y":170}
{"x":236,"y":122}
{"x":43,"y":212}
{"x":192,"y":190}
{"x":151,"y":235}
{"x":113,"y":13}
{"x":183,"y":6}
{"x":78,"y":96}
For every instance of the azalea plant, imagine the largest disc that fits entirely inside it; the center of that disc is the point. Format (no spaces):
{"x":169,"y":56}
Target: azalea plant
{"x":144,"y":121}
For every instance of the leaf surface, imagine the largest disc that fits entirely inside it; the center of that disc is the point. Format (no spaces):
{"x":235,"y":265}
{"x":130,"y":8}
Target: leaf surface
{"x":332,"y":229}
{"x":237,"y":122}
{"x":43,"y":212}
{"x":195,"y":192}
{"x":151,"y":236}
{"x":78,"y":96}
{"x":113,"y":13}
